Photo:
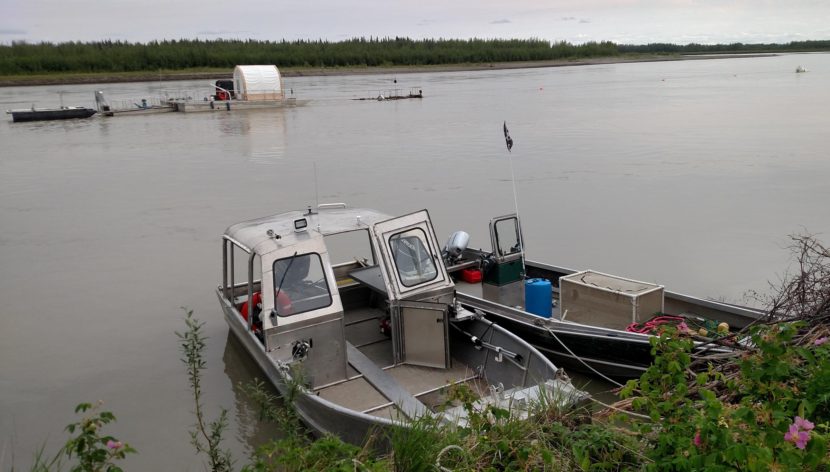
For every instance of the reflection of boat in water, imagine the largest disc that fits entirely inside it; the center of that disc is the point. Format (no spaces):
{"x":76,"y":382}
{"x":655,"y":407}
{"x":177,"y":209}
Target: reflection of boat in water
{"x":584,"y":320}
{"x":370,"y":344}
{"x":241,"y":374}
{"x":43,"y":114}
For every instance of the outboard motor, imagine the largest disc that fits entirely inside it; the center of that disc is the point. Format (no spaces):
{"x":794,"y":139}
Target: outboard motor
{"x":455,"y":246}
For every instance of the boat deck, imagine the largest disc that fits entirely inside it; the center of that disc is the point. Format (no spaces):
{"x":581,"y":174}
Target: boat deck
{"x":378,"y":387}
{"x":426,"y":384}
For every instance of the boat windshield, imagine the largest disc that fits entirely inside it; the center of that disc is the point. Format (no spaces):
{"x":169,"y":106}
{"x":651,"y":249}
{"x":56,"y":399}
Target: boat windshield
{"x":300,"y":284}
{"x":507,"y":236}
{"x":413,"y":261}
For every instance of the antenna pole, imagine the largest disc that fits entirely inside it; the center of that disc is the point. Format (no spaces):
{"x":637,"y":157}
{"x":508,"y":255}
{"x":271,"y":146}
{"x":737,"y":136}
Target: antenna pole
{"x":509,"y":142}
{"x":316,"y":194}
{"x":516,"y":206}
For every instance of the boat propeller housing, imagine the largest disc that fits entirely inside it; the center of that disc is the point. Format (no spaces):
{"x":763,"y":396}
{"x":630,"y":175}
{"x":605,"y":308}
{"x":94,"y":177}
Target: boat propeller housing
{"x":456,"y":245}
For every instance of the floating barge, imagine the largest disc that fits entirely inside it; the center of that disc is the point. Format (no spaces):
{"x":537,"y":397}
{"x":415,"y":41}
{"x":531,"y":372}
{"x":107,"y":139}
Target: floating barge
{"x":252,"y":88}
{"x":395,"y":94}
{"x":190,"y":106}
{"x":142,"y":106}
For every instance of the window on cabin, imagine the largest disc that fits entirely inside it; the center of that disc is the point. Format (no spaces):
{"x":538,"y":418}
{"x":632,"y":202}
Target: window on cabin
{"x":413,"y":261}
{"x":507,"y":237}
{"x":300,"y":284}
{"x":349,"y":248}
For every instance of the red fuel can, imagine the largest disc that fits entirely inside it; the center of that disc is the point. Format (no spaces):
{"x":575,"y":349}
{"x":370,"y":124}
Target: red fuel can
{"x":471,"y":276}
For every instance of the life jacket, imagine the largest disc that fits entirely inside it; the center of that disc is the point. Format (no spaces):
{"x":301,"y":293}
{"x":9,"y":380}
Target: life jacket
{"x":257,"y":302}
{"x":283,"y":305}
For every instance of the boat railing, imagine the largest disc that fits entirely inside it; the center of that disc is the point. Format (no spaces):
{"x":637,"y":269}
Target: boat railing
{"x":136,"y":103}
{"x":397,"y":93}
{"x":179,"y":95}
{"x":229,"y":93}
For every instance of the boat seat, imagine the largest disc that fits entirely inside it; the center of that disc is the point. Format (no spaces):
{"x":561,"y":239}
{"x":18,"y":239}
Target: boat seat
{"x":386,"y":384}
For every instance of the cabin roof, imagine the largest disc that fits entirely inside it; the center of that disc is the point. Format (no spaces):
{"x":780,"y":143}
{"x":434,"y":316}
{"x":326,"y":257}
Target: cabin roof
{"x":326,"y":221}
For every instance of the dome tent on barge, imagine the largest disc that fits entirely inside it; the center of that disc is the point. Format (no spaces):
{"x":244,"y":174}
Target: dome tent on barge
{"x":254,"y":83}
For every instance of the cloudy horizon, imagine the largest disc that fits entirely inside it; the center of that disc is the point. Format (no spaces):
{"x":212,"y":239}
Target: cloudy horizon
{"x":620,"y":21}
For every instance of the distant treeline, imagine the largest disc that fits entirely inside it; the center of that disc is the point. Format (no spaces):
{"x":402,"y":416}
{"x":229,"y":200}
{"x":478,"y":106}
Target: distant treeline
{"x":694,"y":48}
{"x":117,"y":56}
{"x":21,"y":58}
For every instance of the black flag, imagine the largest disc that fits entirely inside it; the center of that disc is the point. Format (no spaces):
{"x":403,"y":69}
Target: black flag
{"x":507,"y":139}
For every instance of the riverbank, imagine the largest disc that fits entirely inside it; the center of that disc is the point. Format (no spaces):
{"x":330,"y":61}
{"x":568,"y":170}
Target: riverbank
{"x":212,"y":74}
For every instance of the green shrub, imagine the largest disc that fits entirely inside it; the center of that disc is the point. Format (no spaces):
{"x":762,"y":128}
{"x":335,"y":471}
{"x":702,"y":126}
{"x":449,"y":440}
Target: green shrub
{"x":752,"y":417}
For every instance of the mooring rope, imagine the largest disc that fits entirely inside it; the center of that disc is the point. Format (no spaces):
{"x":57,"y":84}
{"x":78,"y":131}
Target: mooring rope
{"x":438,"y":458}
{"x":598,"y":373}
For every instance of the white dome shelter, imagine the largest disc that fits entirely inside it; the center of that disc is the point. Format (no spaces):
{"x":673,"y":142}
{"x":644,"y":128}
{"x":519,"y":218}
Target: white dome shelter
{"x":256,"y":83}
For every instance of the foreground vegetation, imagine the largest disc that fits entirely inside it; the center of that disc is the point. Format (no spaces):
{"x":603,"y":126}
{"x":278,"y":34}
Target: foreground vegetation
{"x":114,"y":57}
{"x":88,"y":449}
{"x":762,"y":405}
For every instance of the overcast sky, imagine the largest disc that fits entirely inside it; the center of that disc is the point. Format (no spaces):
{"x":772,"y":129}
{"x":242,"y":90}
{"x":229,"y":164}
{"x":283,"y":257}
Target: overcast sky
{"x":576,"y":21}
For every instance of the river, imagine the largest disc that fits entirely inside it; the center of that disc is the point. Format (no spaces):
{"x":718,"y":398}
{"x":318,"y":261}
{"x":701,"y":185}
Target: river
{"x":691,"y":174}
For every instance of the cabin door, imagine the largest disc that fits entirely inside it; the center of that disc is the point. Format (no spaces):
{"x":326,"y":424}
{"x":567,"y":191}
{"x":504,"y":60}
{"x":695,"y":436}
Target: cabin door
{"x":424,"y":330}
{"x":413,"y":269}
{"x":411,"y":257}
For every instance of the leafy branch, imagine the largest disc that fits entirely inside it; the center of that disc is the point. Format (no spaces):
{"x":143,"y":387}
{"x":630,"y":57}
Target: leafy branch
{"x":205,"y":437}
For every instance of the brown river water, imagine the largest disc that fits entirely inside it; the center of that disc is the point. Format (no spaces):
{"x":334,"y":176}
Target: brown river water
{"x":690,"y":174}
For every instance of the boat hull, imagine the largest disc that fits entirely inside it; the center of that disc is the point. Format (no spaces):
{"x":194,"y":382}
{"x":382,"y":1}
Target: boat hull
{"x":68,"y":113}
{"x":577,"y":348}
{"x":614,"y":353}
{"x":325,"y":417}
{"x":321,"y":416}
{"x":153,"y":110}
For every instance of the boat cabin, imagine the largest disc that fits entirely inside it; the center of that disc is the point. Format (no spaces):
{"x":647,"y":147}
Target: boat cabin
{"x":302,"y":306}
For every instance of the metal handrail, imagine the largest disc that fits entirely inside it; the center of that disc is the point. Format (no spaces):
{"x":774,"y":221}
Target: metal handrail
{"x":324,"y":206}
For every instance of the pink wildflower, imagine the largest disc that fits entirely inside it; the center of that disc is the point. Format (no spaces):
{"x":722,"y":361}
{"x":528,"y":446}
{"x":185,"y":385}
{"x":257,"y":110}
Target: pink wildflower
{"x":114,"y":445}
{"x":683,"y":328}
{"x":799,"y":432}
{"x":697,"y":439}
{"x":820,"y":341}
{"x":806,"y":425}
{"x":791,"y":433}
